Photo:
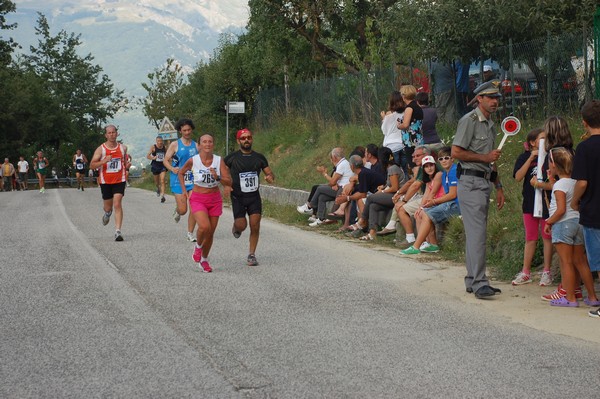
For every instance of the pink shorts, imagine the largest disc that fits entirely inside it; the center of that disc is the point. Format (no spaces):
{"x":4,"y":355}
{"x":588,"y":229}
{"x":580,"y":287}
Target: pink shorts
{"x":211,"y":203}
{"x":533,"y":227}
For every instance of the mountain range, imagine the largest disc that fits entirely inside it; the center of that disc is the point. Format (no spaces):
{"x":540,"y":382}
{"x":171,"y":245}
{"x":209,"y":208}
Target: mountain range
{"x":130,"y":38}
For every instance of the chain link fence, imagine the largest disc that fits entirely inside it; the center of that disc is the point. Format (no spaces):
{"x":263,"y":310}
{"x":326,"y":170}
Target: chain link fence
{"x":552,"y":75}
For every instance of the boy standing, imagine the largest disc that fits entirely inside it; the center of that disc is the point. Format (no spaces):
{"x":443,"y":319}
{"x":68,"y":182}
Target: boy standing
{"x":586,"y":197}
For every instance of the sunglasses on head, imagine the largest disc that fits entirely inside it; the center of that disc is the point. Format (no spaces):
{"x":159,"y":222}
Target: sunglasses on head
{"x":446,"y":158}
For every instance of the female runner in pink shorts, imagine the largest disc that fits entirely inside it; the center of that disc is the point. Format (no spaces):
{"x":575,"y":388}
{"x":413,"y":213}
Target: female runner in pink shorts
{"x":205,"y":201}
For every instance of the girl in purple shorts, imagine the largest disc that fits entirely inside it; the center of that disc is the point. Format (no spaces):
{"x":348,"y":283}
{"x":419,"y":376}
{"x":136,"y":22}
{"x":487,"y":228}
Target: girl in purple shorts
{"x":567,"y":233}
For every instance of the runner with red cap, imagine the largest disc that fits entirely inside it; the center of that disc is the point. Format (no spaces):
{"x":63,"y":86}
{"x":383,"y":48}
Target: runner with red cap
{"x":245,"y":166}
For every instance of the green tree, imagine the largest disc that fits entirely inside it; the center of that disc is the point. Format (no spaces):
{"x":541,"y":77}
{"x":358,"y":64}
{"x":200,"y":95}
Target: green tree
{"x":343,"y":35}
{"x":85,"y":97}
{"x":162,"y":96}
{"x":76,"y":82}
{"x":6,"y":45}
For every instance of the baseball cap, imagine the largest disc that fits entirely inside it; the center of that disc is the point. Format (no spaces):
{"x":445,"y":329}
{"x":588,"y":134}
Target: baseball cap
{"x":487,"y":68}
{"x":427,"y":159}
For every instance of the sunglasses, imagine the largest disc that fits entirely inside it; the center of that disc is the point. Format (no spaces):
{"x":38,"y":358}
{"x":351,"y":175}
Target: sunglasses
{"x":244,"y":138}
{"x":446,"y":158}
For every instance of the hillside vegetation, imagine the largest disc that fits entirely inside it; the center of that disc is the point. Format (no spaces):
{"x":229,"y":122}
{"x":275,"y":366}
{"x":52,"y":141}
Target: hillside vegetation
{"x":295,"y":146}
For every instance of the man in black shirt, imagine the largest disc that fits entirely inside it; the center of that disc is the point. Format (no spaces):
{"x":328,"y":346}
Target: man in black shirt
{"x":245,"y":166}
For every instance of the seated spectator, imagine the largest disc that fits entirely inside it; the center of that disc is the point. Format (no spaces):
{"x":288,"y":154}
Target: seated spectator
{"x":371,"y":160}
{"x":379,"y":205}
{"x":358,"y":189}
{"x":410,"y":203}
{"x":430,"y":134}
{"x":437,"y":210}
{"x":328,"y":192}
{"x":417,"y":156}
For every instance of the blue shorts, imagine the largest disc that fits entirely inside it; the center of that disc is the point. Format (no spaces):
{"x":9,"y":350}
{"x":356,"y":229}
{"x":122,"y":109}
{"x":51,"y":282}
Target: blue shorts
{"x":591,"y":237}
{"x":442,"y":212}
{"x":568,"y":232}
{"x":176,"y":187}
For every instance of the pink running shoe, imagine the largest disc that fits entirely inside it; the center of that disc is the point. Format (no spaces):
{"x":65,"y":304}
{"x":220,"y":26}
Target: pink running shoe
{"x":197,"y":254}
{"x":206,"y":267}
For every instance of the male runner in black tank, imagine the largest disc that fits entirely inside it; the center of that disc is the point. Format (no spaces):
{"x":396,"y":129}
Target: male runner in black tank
{"x":157,"y":155}
{"x":245,"y":166}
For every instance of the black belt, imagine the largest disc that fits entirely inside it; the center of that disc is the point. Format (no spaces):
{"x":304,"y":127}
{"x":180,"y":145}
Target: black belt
{"x":476,"y":173}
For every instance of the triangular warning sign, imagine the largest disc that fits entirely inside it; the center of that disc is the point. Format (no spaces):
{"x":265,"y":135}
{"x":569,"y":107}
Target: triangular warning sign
{"x":166,"y":126}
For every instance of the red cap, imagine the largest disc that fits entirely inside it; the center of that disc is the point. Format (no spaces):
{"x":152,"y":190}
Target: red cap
{"x":240,"y":132}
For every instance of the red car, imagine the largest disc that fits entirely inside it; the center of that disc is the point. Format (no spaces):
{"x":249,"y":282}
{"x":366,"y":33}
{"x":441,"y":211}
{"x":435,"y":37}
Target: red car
{"x":507,"y":89}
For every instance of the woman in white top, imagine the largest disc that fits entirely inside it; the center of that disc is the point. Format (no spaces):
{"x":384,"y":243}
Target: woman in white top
{"x":392,"y":136}
{"x":205,"y":200}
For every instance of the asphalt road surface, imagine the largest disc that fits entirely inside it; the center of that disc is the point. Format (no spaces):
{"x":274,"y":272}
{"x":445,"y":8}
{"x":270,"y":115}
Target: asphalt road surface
{"x":83,"y":316}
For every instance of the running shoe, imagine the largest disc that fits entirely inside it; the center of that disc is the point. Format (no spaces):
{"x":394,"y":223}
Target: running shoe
{"x":424,"y":245}
{"x":158,"y":191}
{"x":205,"y":266}
{"x":42,"y":190}
{"x":312,"y":218}
{"x":430,"y":249}
{"x":410,"y":251}
{"x":106,"y":218}
{"x":522,"y":278}
{"x":176,"y":216}
{"x":304,"y":209}
{"x":594,"y":313}
{"x":560,"y":292}
{"x":235,"y":233}
{"x":316,"y":223}
{"x":162,"y":200}
{"x":191,"y":237}
{"x":197,"y":255}
{"x":252,"y":260}
{"x":118,"y":236}
{"x":546,"y":279}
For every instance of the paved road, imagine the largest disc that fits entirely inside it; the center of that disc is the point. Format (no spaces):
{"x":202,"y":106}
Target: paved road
{"x":84,"y":316}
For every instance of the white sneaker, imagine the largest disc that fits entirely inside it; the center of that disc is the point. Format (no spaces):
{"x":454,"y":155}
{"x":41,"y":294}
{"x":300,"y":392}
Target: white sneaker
{"x":316,"y":223}
{"x":546,"y":279}
{"x":304,"y":209}
{"x":312,"y":218}
{"x":191,"y":237}
{"x":521,"y":278}
{"x":424,"y":245}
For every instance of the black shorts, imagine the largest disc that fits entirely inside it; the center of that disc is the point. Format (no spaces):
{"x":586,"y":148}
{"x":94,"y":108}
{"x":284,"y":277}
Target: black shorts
{"x":247,"y":204}
{"x":109,"y":190}
{"x":157,"y":170}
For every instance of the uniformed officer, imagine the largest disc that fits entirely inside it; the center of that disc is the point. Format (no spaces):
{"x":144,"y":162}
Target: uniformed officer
{"x":474,"y":148}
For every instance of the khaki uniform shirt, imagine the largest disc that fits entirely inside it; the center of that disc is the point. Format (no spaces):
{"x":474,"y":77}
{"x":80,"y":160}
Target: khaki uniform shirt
{"x":477,"y":134}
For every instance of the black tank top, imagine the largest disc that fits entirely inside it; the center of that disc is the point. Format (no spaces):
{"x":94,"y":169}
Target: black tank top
{"x":160,"y":155}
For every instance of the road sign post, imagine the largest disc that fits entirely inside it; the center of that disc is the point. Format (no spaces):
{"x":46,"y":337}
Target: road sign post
{"x":166,"y":130}
{"x":232,"y":107}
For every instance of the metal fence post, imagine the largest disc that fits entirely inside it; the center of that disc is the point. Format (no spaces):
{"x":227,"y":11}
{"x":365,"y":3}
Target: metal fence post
{"x":511,"y":71}
{"x":548,"y":76}
{"x":597,"y":50}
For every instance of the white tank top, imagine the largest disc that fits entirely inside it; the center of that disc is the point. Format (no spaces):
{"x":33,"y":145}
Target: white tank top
{"x":202,"y":176}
